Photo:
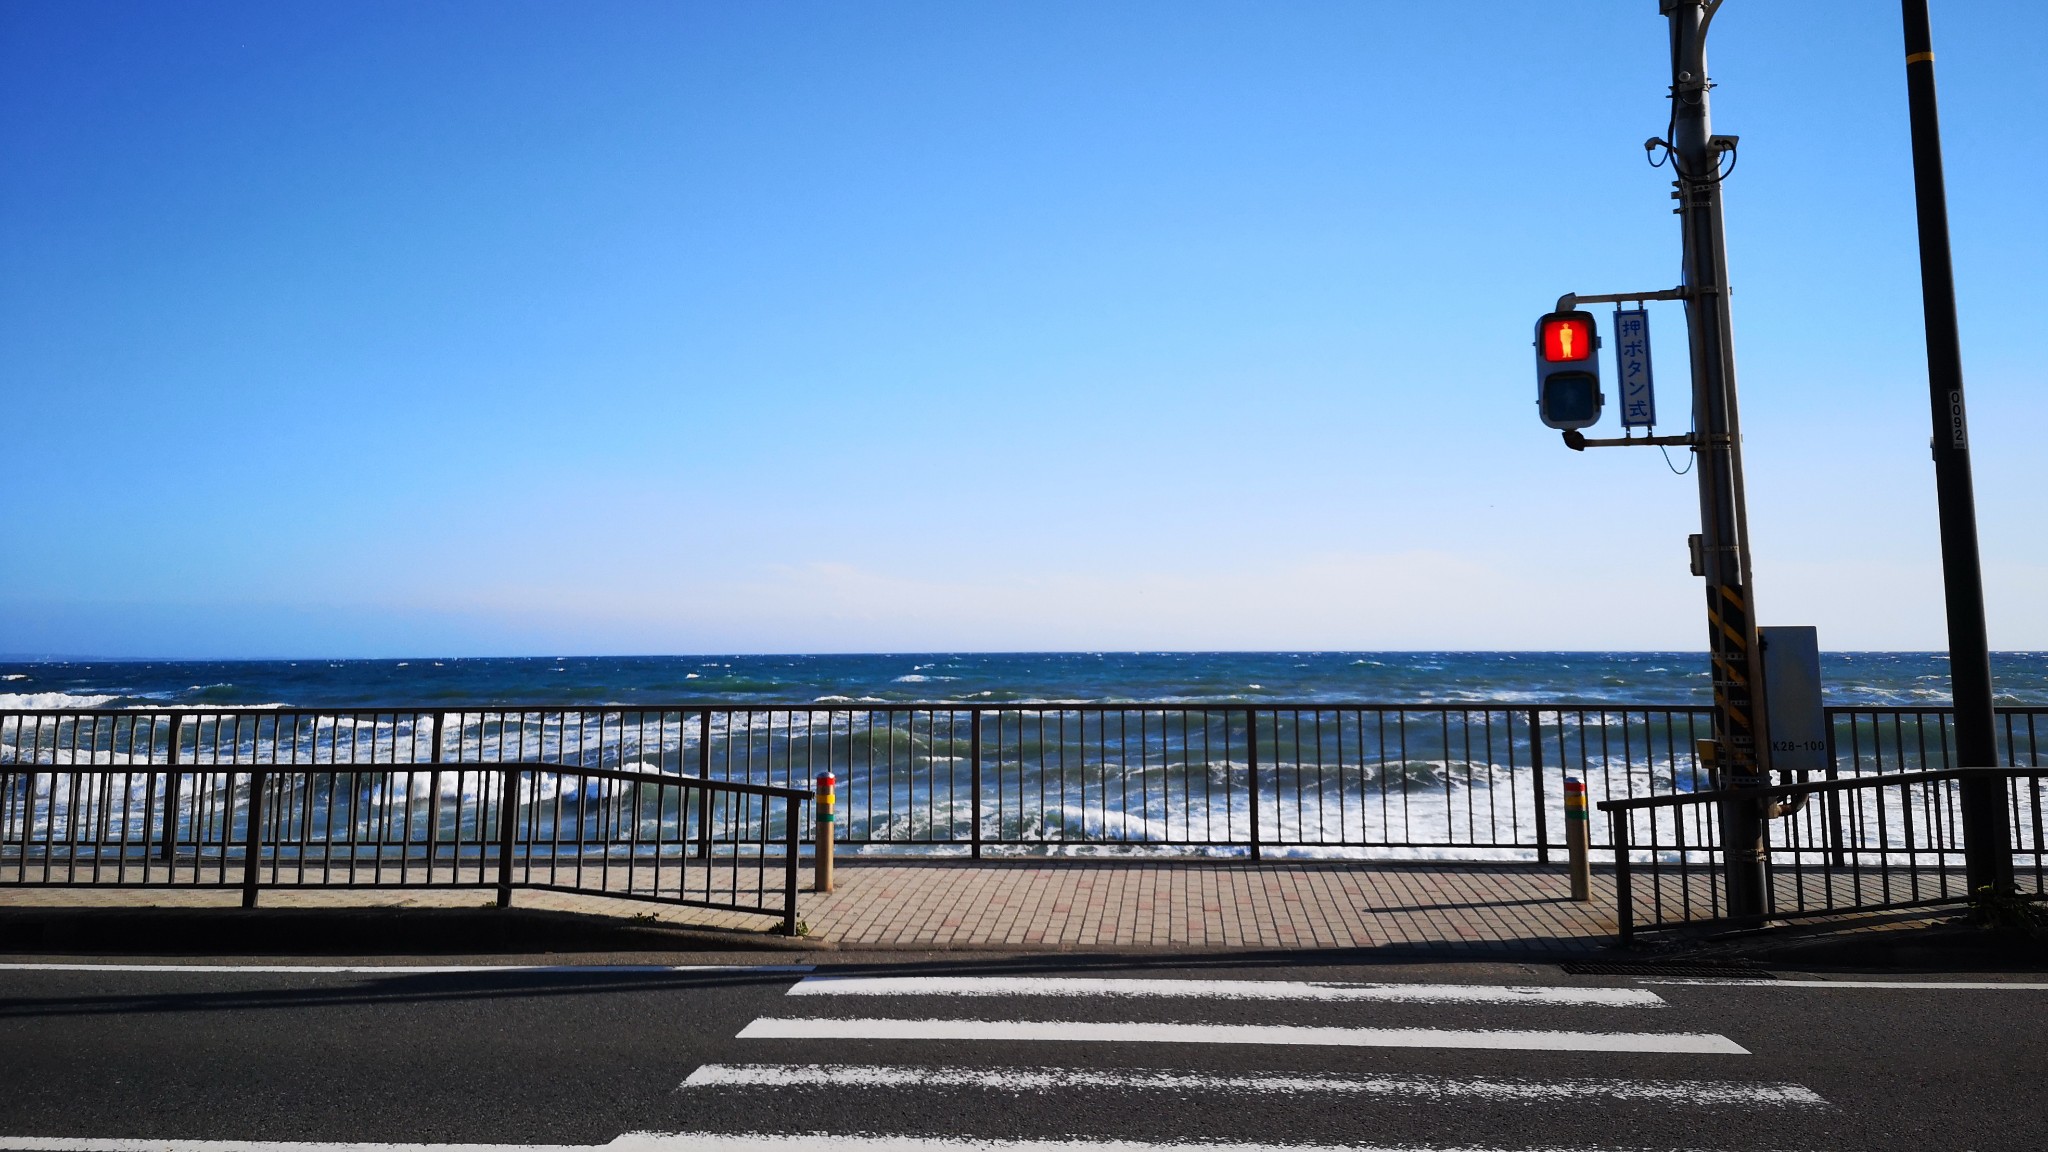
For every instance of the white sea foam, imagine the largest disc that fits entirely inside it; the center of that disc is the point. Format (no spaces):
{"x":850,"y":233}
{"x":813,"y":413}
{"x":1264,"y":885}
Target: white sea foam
{"x":14,"y":700}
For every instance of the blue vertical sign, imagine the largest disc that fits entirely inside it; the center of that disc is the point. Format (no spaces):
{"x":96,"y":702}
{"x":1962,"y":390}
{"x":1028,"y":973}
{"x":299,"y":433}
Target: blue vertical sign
{"x":1632,"y":368}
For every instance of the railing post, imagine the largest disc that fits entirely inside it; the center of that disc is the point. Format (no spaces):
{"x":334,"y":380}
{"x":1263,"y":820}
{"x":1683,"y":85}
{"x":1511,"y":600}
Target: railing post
{"x":974,"y":758}
{"x":1833,"y":800}
{"x":252,"y":840}
{"x":1536,"y":773}
{"x":434,"y":805}
{"x":1624,"y":883}
{"x":704,"y":794}
{"x":1577,"y":829}
{"x":508,"y":824}
{"x":170,"y":846}
{"x":1251,"y":744}
{"x":821,"y":858}
{"x":791,"y":816}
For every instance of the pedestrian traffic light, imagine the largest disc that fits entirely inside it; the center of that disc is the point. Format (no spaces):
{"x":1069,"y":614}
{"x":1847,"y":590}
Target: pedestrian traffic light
{"x":1568,"y":370}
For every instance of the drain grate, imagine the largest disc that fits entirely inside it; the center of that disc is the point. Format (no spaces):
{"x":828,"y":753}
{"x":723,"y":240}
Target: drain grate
{"x":1589,"y":968}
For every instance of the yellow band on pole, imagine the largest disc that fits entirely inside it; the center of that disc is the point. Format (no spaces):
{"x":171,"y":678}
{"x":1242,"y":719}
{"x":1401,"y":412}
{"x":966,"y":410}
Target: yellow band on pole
{"x":1920,"y":58}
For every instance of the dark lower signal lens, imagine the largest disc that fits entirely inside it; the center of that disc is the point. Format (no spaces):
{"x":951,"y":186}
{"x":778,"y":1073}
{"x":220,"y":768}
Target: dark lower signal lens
{"x":1570,"y":398}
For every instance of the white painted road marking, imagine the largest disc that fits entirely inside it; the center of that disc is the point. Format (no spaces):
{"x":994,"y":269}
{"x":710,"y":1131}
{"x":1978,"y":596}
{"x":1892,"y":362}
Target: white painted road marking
{"x":1223,"y":990}
{"x":1910,"y":985}
{"x":1707,"y":1093}
{"x":778,"y":1028}
{"x":713,"y":1142}
{"x":403,"y":969}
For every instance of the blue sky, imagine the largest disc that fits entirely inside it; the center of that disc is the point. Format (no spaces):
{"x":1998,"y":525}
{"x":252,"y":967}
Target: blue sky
{"x":499,"y":328}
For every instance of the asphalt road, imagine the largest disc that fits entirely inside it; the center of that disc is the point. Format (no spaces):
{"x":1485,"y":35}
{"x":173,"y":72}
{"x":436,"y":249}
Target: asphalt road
{"x":1434,"y":1057}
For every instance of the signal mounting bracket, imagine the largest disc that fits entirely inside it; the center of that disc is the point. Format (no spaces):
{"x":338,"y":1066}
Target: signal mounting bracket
{"x":1570,"y":301}
{"x":1578,"y":441}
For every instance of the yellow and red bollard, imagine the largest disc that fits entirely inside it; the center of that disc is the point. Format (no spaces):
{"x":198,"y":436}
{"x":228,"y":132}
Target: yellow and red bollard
{"x":1577,"y":838}
{"x":822,"y":856}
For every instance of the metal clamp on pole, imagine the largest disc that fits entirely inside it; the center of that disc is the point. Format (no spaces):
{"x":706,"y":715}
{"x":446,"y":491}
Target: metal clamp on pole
{"x":822,"y":869}
{"x":1576,"y":838}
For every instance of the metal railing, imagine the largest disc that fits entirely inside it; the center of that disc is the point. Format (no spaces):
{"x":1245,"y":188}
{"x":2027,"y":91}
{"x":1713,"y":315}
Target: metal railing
{"x":1470,"y":781}
{"x":635,"y":835}
{"x":1872,"y":843}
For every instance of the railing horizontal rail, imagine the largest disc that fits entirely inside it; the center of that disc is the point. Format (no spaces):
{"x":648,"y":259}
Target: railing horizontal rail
{"x":1816,"y":787}
{"x":1877,"y":710}
{"x":880,"y":706}
{"x":453,"y":767}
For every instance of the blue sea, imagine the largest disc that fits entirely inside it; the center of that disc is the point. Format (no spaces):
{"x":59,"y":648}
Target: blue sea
{"x":1330,"y":785}
{"x":1874,"y":678}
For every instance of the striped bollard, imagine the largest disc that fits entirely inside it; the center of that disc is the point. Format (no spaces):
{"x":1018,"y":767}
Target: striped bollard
{"x":822,"y":871}
{"x":1575,"y":838}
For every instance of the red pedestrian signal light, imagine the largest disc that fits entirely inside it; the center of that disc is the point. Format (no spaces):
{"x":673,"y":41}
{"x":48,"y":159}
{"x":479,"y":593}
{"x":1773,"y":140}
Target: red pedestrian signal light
{"x":1567,"y":338}
{"x":1568,"y":370}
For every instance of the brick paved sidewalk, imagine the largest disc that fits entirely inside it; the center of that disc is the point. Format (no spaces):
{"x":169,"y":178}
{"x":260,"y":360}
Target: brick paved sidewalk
{"x":1103,"y":904}
{"x":1079,"y":905}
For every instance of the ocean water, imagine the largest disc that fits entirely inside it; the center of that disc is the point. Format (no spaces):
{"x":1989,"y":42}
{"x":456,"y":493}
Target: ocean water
{"x":1873,"y":678}
{"x":1066,"y":783}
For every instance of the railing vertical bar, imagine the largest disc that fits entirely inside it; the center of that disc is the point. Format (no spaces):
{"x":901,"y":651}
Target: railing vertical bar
{"x":1624,"y":880}
{"x":1536,"y":774}
{"x":1251,"y":760}
{"x":791,"y":831}
{"x":974,"y":759}
{"x":171,"y":781}
{"x":253,"y":839}
{"x":704,"y":773}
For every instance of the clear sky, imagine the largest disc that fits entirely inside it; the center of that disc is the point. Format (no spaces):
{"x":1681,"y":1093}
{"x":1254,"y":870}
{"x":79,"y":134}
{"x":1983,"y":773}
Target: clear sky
{"x":499,"y":328}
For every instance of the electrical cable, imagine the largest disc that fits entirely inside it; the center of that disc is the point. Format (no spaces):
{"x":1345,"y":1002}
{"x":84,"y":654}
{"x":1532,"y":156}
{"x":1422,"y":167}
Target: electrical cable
{"x":1671,"y":157}
{"x":1708,"y":8}
{"x":1675,"y":470}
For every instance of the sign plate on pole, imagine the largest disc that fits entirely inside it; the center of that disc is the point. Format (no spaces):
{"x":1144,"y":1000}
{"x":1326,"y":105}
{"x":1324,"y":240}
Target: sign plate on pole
{"x":1792,"y":694}
{"x":1632,"y":368}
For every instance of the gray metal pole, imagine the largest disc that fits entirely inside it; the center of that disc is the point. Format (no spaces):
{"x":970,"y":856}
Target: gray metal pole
{"x":1986,"y":838}
{"x":1731,"y":619}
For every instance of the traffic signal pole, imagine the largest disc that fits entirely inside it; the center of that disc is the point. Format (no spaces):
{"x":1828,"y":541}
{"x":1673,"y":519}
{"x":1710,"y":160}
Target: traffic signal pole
{"x":1987,"y":838}
{"x":1741,"y":757}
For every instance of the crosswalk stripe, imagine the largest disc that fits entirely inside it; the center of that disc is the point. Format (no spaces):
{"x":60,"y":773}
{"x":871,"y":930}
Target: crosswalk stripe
{"x":1706,"y":1093}
{"x":823,"y":1142}
{"x":1223,"y":990}
{"x":799,"y":1028}
{"x":709,"y":1142}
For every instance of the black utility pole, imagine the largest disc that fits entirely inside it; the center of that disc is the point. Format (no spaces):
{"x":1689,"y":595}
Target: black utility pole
{"x":1696,"y":156}
{"x":1986,"y":838}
